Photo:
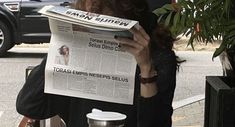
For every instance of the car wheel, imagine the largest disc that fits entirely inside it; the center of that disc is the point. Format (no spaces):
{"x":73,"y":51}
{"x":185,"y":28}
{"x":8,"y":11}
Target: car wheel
{"x":5,"y":38}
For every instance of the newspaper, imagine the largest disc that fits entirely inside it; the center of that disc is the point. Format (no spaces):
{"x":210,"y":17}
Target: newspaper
{"x":84,"y":60}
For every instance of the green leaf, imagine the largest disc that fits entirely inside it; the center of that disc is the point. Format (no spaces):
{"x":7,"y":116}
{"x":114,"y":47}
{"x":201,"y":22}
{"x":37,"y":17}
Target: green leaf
{"x":160,"y":11}
{"x":230,"y":27}
{"x":180,"y":29}
{"x":160,"y":19}
{"x":168,"y":19}
{"x":227,"y":6}
{"x":199,"y":2}
{"x":218,"y":51}
{"x":168,"y":7}
{"x":233,"y":43}
{"x":173,"y":31}
{"x":176,"y":18}
{"x":190,"y":42}
{"x":230,"y":35}
{"x":231,"y":21}
{"x":204,"y":31}
{"x":183,"y":19}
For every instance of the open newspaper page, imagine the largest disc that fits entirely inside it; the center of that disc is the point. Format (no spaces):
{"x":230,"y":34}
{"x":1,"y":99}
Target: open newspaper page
{"x":86,"y":61}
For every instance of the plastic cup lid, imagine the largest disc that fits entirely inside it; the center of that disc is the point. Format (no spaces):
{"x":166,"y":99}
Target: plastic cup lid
{"x":105,"y":116}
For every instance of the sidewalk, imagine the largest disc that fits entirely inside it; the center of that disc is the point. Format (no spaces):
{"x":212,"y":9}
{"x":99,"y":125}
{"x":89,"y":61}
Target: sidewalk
{"x":189,"y":116}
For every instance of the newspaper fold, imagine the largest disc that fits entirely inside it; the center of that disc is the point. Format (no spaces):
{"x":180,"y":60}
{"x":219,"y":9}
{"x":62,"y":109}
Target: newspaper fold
{"x":84,"y":60}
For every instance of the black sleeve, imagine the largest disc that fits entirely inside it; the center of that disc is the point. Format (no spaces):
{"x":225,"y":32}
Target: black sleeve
{"x":156,"y":111}
{"x":33,"y":102}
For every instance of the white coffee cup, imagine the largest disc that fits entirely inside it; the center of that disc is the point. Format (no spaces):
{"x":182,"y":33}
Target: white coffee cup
{"x":99,"y":118}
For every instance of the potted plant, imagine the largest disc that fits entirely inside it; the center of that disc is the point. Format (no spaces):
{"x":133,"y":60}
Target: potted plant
{"x":208,"y":21}
{"x":205,"y":21}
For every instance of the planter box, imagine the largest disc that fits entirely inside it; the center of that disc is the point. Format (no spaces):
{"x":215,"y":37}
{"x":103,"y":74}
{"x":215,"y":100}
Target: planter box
{"x":219,"y":102}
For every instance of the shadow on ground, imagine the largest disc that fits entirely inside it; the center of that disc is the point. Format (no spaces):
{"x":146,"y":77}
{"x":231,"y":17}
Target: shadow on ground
{"x":24,"y":55}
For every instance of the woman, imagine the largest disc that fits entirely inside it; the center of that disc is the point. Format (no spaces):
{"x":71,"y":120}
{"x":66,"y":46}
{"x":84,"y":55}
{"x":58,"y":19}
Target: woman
{"x":63,"y":59}
{"x":155,"y":76}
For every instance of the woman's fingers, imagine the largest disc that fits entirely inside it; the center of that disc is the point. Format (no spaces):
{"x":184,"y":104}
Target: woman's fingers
{"x":144,"y":34}
{"x":128,"y":42}
{"x":129,"y":49}
{"x":137,"y":36}
{"x":140,"y":35}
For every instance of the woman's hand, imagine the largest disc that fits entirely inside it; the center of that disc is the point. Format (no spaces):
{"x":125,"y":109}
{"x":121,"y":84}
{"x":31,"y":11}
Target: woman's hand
{"x":139,"y":47}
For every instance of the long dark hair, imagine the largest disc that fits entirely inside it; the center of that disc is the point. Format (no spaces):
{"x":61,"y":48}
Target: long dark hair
{"x":131,"y":9}
{"x":135,"y":10}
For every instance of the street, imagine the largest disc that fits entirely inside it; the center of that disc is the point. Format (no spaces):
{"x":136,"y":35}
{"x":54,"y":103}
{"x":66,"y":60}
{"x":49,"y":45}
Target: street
{"x":12,"y":77}
{"x":191,"y":75}
{"x":190,"y":78}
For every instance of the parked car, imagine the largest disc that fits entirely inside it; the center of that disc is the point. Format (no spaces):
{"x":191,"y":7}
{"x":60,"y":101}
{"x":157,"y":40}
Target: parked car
{"x":20,"y":22}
